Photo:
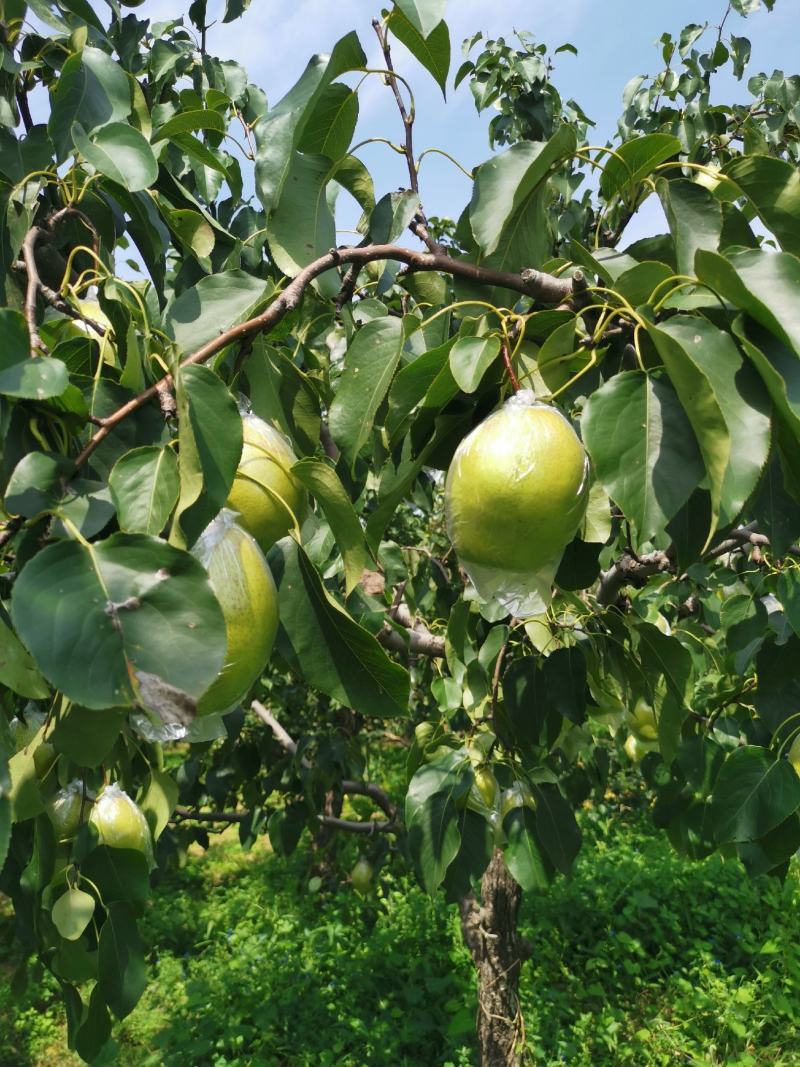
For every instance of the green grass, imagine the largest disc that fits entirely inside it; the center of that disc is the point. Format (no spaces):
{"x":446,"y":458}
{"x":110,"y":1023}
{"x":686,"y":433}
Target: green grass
{"x":640,"y":959}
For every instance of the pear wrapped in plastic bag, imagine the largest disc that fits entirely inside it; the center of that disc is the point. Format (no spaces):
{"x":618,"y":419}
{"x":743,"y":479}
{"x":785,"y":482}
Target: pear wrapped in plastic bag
{"x":266,"y":496}
{"x":120,"y":822}
{"x":66,"y":808}
{"x":515,"y":495}
{"x":244,"y":586}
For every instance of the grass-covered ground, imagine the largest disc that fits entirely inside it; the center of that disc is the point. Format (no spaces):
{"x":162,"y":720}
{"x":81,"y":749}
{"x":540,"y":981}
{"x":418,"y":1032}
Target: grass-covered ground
{"x":640,"y":959}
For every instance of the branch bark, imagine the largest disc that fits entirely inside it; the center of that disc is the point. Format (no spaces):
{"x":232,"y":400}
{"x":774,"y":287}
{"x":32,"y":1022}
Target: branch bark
{"x":544,"y":288}
{"x":419,"y":224}
{"x":32,"y":287}
{"x":628,"y":569}
{"x":348,"y":786}
{"x":490,"y":933}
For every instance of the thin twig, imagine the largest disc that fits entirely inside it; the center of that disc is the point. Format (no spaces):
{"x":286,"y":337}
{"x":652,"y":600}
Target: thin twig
{"x":509,"y":368}
{"x":419,"y":224}
{"x":32,"y":288}
{"x":347,"y":786}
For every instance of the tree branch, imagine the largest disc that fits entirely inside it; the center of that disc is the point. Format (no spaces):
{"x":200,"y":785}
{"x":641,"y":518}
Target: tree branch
{"x":420,"y":641}
{"x":211,"y":816}
{"x":544,"y":288}
{"x":348,"y":786}
{"x":419,"y":224}
{"x":32,"y":288}
{"x":627,"y":569}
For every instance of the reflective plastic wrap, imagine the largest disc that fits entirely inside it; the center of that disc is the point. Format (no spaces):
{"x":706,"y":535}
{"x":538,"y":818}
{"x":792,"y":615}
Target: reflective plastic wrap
{"x":120,"y":823}
{"x":64,"y":810}
{"x":515,"y":494}
{"x":267,"y":498}
{"x":244,"y":586}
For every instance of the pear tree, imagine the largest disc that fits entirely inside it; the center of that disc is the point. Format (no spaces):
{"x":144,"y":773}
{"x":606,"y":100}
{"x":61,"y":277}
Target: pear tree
{"x":510,"y":487}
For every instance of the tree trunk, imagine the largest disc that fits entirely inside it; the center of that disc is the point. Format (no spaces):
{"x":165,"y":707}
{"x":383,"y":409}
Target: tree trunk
{"x":490,"y":933}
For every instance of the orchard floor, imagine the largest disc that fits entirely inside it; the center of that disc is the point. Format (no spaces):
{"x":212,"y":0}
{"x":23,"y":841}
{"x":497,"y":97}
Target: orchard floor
{"x":642,"y":959}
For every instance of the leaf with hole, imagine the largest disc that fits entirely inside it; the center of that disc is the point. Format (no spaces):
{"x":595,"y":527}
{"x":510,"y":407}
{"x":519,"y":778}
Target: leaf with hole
{"x":91,"y":614}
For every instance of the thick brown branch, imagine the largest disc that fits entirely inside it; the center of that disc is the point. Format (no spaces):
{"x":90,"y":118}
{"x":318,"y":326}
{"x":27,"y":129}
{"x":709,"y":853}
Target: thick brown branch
{"x":544,"y":288}
{"x":419,"y":640}
{"x":627,"y":569}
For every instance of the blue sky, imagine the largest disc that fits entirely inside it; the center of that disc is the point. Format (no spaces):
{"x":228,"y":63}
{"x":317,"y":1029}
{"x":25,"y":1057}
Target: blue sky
{"x":615,"y":41}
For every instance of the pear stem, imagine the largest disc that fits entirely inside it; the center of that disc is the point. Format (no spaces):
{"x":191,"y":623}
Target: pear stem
{"x":509,"y":368}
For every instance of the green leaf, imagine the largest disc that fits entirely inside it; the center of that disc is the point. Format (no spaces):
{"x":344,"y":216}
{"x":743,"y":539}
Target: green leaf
{"x":522,"y":852}
{"x":285,"y":827}
{"x":72,"y":913}
{"x":279,"y":131}
{"x":639,"y":282}
{"x":95,"y":1030}
{"x":144,"y":486}
{"x":776,"y":511}
{"x":779,"y":845}
{"x":664,"y":657}
{"x":753,"y":794}
{"x":643,"y":449}
{"x":411,"y":385}
{"x":556,"y":828}
{"x":695,"y":220}
{"x":507,"y":181}
{"x":353,"y":176}
{"x":433,"y":51}
{"x":214,"y":304}
{"x":391,"y":215}
{"x":762,"y":283}
{"x":91,"y":615}
{"x":122,"y":972}
{"x":685,"y":360}
{"x":86,"y":736}
{"x":25,"y":794}
{"x":159,"y":800}
{"x":39,"y":483}
{"x":470,"y":358}
{"x":192,"y":230}
{"x":119,"y":873}
{"x":431,"y":810}
{"x":773,"y":188}
{"x":396,"y":480}
{"x":234,"y":9}
{"x":190,"y":122}
{"x":528,"y":716}
{"x":282,"y":394}
{"x":635,"y":160}
{"x":120,"y":152}
{"x":17,"y":670}
{"x":30,"y":378}
{"x":789,"y":596}
{"x":210,"y":440}
{"x":330,"y":126}
{"x":324,"y":644}
{"x":369,"y":366}
{"x":779,"y":369}
{"x":301,"y":228}
{"x":92,"y":89}
{"x":565,"y":682}
{"x":726,"y":405}
{"x":324,"y":484}
{"x":424,"y":15}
